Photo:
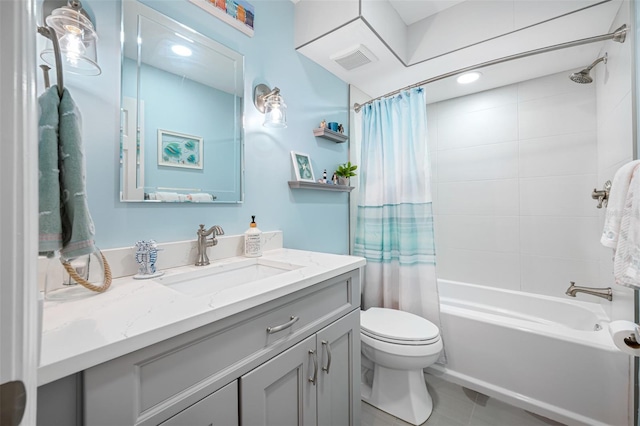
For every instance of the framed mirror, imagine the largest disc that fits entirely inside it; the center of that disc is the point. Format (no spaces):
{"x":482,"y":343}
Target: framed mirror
{"x":181,"y":113}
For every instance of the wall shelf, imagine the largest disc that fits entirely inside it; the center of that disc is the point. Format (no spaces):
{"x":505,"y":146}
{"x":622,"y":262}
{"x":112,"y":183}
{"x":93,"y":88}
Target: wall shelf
{"x":323,"y":132}
{"x":224,"y":16}
{"x":293,"y":184}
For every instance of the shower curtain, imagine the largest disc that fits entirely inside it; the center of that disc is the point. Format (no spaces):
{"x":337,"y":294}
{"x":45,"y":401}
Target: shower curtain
{"x":394,"y":228}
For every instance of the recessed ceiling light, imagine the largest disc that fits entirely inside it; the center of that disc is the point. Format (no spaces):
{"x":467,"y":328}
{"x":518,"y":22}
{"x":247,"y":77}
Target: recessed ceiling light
{"x":181,"y":50}
{"x":469,"y":77}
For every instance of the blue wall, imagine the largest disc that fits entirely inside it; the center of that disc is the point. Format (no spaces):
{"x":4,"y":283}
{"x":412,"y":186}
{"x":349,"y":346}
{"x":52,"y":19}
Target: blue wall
{"x":310,"y":220}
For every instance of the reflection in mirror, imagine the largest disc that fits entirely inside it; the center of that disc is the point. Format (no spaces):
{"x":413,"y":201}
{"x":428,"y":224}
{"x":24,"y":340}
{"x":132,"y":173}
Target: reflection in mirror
{"x":181,"y":123}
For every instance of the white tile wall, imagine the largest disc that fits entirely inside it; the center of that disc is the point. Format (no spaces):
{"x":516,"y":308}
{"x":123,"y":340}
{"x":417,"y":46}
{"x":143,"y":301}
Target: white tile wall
{"x":475,"y":128}
{"x":491,"y":233}
{"x":514,"y":170}
{"x":495,"y":161}
{"x":551,"y":275}
{"x":559,"y":155}
{"x":479,"y":267}
{"x":501,"y":96}
{"x":615,"y":141}
{"x":613,"y":127}
{"x":432,"y":128}
{"x":558,"y":196}
{"x":562,"y":114}
{"x":551,"y":85}
{"x":564,"y":237}
{"x":489,"y":197}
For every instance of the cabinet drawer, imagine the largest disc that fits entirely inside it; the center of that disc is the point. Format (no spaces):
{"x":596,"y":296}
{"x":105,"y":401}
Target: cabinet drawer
{"x":218,"y":409}
{"x":173,"y":374}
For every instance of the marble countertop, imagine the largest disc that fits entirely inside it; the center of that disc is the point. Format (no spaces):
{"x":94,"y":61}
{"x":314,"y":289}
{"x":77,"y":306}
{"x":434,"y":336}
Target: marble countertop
{"x":80,"y":333}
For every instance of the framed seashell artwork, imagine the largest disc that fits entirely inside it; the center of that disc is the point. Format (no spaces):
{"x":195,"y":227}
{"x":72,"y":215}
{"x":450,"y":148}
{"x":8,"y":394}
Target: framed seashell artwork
{"x":179,"y":150}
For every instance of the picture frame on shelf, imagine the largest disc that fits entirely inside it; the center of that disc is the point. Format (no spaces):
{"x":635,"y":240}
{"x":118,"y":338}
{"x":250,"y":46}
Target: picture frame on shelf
{"x":302,"y":167}
{"x":180,"y":150}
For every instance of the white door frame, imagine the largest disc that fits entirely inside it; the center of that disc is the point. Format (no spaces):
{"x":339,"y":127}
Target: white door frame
{"x":132,"y":161}
{"x":19,"y":329}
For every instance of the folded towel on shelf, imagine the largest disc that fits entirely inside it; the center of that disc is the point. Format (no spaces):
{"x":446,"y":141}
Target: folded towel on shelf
{"x":200,"y":197}
{"x":50,"y":224}
{"x":77,"y":226}
{"x":166,"y":196}
{"x":616,"y":204}
{"x":626,"y":261}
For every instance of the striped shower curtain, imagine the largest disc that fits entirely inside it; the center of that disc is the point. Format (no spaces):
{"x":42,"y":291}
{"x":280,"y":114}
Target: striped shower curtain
{"x":394,"y":229}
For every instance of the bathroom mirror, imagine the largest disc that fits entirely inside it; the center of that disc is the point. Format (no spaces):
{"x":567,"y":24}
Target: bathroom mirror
{"x":181,"y":112}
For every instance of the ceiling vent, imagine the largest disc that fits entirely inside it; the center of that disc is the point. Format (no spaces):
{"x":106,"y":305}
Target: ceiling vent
{"x":354,"y":57}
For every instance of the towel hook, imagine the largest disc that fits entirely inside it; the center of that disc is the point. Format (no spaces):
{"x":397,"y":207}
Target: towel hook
{"x":602,"y":195}
{"x":50,"y":33}
{"x":45,"y":72}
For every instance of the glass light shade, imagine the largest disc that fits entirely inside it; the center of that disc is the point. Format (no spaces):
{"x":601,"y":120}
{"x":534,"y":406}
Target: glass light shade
{"x":275,"y":112}
{"x":77,"y":40}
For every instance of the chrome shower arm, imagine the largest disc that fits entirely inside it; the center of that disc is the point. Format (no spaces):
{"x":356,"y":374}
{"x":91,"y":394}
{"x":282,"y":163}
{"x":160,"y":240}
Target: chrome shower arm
{"x":597,"y":61}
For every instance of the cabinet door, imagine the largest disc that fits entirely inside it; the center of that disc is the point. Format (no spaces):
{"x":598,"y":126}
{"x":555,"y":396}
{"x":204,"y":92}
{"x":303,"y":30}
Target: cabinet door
{"x":339,"y":372}
{"x":279,"y":392}
{"x":218,"y":409}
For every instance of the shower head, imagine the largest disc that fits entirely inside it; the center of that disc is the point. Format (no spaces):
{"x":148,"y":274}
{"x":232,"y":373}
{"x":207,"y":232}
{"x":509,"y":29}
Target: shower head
{"x":583,"y":77}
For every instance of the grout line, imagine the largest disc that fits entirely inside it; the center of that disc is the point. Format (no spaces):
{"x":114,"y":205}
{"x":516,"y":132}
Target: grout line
{"x":469,"y":423}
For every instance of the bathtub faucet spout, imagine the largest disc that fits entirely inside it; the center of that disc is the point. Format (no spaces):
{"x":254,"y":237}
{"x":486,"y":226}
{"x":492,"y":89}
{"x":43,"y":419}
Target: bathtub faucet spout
{"x":605,"y":293}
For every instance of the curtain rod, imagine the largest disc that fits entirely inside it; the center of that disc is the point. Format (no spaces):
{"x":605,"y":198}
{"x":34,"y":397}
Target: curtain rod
{"x":618,"y":35}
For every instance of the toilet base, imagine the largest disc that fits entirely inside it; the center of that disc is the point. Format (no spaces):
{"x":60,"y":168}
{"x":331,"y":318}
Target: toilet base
{"x":401,"y":393}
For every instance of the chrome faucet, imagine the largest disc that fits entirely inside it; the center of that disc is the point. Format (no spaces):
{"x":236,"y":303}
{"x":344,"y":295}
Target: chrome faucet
{"x":605,"y":293}
{"x":203,"y":242}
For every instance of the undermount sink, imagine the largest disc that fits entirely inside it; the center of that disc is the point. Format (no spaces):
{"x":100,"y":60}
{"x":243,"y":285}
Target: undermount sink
{"x":216,"y":278}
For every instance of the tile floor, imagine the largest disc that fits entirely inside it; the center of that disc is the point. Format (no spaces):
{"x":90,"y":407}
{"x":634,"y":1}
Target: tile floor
{"x":456,"y":406}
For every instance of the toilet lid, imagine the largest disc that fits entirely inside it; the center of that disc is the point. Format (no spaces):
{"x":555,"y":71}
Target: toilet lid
{"x":392,"y":325}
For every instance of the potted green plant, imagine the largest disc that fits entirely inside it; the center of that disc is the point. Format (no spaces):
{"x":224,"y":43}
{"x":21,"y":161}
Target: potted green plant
{"x":344,"y":172}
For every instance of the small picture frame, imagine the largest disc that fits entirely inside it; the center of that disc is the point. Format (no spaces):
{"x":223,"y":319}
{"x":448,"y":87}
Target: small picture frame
{"x":180,"y":150}
{"x":302,"y":167}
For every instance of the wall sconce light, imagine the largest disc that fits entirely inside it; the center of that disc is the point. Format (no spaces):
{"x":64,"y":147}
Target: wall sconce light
{"x":271,"y":104}
{"x":76,"y":37}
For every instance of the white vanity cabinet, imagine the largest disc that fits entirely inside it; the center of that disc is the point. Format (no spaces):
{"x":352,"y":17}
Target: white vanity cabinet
{"x":310,"y":383}
{"x":204,"y":376}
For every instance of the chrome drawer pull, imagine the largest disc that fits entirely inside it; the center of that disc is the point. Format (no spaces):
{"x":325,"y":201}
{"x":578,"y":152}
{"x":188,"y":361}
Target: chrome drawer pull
{"x":312,"y":379}
{"x":328,"y":346}
{"x":277,"y":328}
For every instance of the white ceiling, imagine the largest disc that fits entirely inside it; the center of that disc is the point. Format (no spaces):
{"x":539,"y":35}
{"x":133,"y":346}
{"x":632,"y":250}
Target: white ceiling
{"x":445,"y":36}
{"x":412,"y":11}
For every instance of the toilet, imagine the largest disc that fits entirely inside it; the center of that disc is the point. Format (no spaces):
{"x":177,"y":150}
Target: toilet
{"x":396,"y":346}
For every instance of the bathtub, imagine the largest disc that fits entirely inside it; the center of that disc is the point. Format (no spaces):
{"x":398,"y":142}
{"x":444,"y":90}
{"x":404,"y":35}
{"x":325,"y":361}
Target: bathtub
{"x":547,"y":355}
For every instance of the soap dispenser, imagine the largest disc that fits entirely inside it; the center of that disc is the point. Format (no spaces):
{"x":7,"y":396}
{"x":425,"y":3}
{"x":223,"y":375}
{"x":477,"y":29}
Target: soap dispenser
{"x":253,"y":240}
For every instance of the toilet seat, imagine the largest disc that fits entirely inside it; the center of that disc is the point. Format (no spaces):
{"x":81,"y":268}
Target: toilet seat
{"x":398,"y":327}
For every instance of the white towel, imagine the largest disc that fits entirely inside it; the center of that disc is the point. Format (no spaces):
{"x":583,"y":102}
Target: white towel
{"x":200,"y":197}
{"x":167,"y":196}
{"x":616,"y":203}
{"x":626,"y":262}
